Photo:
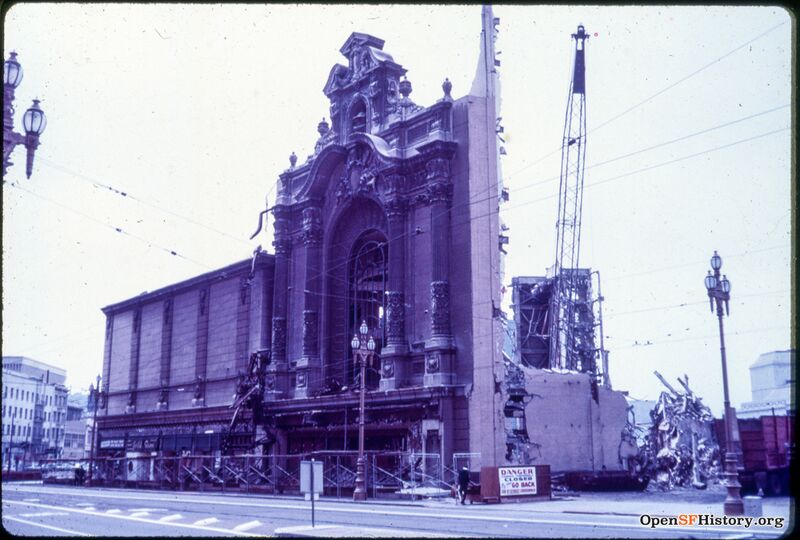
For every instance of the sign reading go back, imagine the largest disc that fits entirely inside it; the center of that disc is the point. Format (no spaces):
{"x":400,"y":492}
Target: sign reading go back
{"x":517,"y":481}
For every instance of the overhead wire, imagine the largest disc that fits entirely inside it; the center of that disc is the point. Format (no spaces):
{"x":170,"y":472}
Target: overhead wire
{"x":109,"y":226}
{"x":126,"y":194}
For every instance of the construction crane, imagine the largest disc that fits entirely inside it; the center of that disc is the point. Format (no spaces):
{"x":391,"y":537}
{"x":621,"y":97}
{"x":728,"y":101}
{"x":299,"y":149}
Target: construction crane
{"x":571,"y":292}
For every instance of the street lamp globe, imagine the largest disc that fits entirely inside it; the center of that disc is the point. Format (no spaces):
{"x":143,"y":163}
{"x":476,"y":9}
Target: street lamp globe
{"x":711,"y":281}
{"x":355,"y":343}
{"x":371,"y":344}
{"x":34,"y":121}
{"x":12,"y":71}
{"x":725,"y":285}
{"x":363,"y":328}
{"x":716,"y":261}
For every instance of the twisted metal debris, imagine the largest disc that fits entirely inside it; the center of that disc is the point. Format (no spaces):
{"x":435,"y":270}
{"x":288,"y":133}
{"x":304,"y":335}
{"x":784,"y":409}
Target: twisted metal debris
{"x":681,"y":450}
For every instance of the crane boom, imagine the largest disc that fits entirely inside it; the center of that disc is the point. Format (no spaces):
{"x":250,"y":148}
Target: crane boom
{"x":563,"y":349}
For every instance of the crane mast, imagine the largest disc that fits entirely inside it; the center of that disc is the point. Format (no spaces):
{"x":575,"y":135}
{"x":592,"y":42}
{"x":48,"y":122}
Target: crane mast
{"x":565,"y":317}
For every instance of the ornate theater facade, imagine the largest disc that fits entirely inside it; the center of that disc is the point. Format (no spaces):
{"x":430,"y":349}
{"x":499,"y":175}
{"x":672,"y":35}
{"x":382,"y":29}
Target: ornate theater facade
{"x":392,"y":221}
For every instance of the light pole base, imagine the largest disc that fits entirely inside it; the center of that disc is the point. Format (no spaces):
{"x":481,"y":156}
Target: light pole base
{"x":360,"y":493}
{"x":733,"y":506}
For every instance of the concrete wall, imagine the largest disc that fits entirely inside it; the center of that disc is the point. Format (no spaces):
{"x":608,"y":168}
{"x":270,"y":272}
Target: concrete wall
{"x":574,"y":431}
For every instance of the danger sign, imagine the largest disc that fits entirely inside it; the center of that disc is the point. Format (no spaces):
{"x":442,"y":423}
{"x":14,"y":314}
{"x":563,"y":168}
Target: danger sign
{"x":517,"y":481}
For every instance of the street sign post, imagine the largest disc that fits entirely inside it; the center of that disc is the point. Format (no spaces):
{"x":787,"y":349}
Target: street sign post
{"x":311,"y":481}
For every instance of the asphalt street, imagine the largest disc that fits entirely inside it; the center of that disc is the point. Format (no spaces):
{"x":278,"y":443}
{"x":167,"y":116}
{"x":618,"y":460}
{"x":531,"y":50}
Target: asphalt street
{"x":39,"y":510}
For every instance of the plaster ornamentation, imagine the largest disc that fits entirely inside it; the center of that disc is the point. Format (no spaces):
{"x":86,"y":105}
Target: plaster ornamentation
{"x":310,"y":333}
{"x":440,"y":307}
{"x":395,"y":316}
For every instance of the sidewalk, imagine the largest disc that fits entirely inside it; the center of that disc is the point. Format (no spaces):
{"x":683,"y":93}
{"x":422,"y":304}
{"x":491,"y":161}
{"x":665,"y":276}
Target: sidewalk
{"x":351,"y":531}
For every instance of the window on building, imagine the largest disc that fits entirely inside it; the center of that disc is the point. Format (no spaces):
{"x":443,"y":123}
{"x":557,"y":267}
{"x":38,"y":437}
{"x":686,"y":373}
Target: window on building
{"x":367,"y":295}
{"x":358,"y":117}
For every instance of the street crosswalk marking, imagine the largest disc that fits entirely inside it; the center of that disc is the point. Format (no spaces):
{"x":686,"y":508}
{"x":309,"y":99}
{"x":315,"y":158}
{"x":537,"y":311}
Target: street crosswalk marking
{"x":172,"y":517}
{"x":140,"y":514}
{"x":247,"y":526}
{"x":85,"y":504}
{"x":31,"y":500}
{"x":44,"y":514}
{"x":146,"y":510}
{"x":114,"y":511}
{"x":207,"y":521}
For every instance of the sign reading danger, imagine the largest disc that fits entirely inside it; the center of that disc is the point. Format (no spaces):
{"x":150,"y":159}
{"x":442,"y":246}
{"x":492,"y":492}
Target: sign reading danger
{"x":517,"y":481}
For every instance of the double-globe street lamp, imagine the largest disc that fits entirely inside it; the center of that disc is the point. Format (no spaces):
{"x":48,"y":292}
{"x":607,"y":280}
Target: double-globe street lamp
{"x":95,"y":395}
{"x":34,"y":121}
{"x":363,"y":345}
{"x":719,"y":293}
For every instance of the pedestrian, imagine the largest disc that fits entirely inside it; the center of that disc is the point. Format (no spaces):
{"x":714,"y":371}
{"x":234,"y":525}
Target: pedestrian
{"x":463,"y":483}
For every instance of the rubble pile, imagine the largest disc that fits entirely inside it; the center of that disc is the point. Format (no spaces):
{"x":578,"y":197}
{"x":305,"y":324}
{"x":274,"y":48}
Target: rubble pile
{"x":681,"y":450}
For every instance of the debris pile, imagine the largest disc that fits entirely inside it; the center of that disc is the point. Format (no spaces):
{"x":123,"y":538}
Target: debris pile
{"x":681,"y":449}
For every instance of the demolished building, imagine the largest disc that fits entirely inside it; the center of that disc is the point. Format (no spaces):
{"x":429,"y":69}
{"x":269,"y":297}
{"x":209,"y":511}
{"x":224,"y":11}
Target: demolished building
{"x":681,"y":448}
{"x":592,"y":436}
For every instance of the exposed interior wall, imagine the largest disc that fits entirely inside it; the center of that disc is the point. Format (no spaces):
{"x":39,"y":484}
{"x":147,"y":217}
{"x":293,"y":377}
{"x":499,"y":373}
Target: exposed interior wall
{"x":573,"y":431}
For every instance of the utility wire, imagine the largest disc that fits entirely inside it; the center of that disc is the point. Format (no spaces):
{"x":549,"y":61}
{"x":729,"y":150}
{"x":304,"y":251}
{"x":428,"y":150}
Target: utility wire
{"x":127,"y":195}
{"x":107,"y":225}
{"x":653,"y":96}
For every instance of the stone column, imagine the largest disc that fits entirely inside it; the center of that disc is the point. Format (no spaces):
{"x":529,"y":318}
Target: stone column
{"x":439,"y":348}
{"x":394,"y":368}
{"x":309,"y":372}
{"x":276,"y":380}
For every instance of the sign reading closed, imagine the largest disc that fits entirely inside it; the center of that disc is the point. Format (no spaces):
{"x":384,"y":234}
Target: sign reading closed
{"x":517,"y":481}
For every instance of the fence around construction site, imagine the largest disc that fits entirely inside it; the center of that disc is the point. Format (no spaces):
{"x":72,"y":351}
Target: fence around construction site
{"x":387,"y":473}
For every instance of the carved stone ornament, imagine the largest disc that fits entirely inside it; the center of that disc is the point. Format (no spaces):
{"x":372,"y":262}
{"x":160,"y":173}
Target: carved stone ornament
{"x":312,"y":226}
{"x":440,"y":307}
{"x":131,"y":399}
{"x":283,"y":246}
{"x":395,"y":208}
{"x":395,"y":316}
{"x":440,"y":192}
{"x":310,"y":333}
{"x":432,"y":362}
{"x":269,"y":382}
{"x":279,"y":336}
{"x":164,"y":395}
{"x":387,"y":369}
{"x":301,"y":380}
{"x":198,"y":391}
{"x":394,"y":183}
{"x":421,"y":199}
{"x":343,"y":189}
{"x":437,"y":168}
{"x":368,"y":180}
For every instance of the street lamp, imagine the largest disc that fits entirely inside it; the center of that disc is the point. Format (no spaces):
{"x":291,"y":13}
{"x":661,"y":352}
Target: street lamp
{"x":363,"y":350}
{"x":33,"y":121}
{"x":96,"y":395}
{"x":719,"y":293}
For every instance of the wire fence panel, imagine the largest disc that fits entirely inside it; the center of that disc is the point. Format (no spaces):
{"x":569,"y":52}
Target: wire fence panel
{"x":387,"y":473}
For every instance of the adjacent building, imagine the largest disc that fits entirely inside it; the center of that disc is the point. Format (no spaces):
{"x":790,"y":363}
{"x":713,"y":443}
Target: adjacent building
{"x":34,"y":411}
{"x":771,"y":383}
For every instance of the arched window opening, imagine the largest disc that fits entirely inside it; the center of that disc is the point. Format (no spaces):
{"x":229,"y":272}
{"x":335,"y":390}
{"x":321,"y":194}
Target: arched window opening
{"x":358,"y":117}
{"x":368,"y":272}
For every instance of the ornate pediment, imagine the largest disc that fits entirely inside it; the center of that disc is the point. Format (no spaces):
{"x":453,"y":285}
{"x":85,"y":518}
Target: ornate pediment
{"x":370,"y":82}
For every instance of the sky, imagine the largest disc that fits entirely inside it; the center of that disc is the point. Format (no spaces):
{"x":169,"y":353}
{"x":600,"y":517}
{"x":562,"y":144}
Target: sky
{"x":192,"y":111}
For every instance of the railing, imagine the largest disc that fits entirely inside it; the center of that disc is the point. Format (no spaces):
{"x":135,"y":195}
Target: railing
{"x":388,"y":474}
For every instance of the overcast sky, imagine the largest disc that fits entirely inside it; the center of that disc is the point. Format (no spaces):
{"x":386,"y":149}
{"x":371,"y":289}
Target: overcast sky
{"x":193,"y":110}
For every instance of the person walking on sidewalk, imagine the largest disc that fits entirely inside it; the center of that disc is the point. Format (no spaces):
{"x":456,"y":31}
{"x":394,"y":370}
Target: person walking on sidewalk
{"x":463,"y":483}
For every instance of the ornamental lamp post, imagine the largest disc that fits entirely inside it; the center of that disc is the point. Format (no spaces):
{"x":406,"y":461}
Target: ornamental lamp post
{"x":719,"y":293}
{"x":363,"y":350}
{"x":34,"y":120}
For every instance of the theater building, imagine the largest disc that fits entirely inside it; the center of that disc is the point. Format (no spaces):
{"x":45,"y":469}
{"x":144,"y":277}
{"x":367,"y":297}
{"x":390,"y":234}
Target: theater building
{"x":392,"y":221}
